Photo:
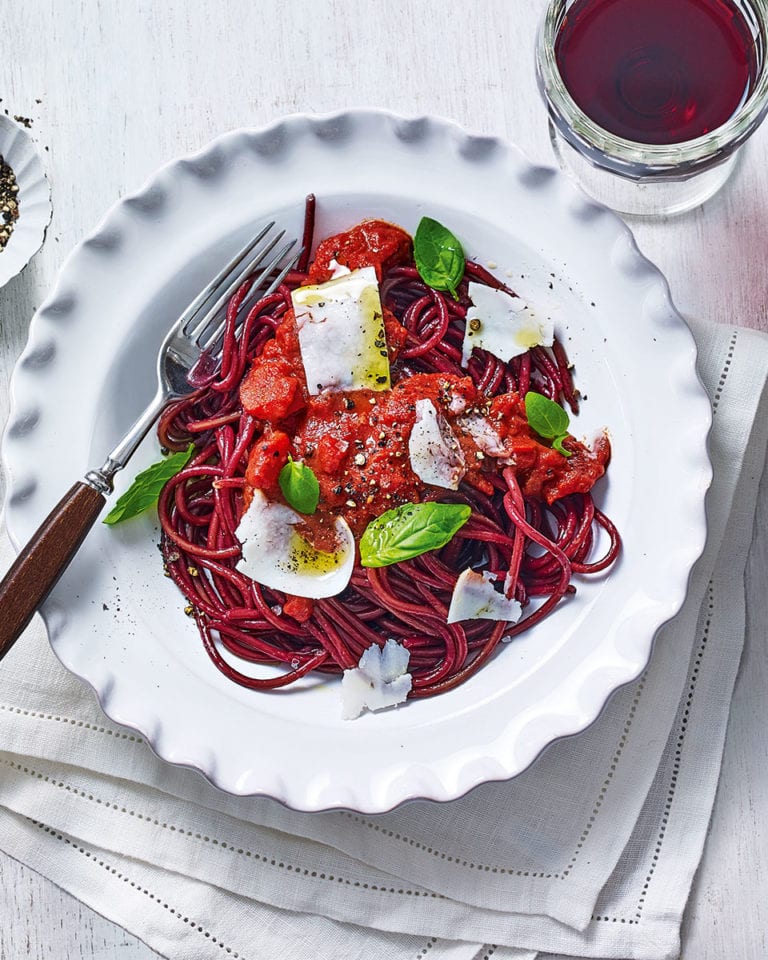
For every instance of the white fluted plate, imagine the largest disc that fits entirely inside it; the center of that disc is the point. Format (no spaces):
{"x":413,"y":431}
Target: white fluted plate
{"x":34,"y":197}
{"x":118,"y":623}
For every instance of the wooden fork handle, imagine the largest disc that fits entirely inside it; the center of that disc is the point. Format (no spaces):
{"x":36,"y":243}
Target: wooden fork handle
{"x":44,"y":559}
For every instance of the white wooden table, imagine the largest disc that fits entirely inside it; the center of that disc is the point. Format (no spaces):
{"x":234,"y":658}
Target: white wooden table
{"x":116,"y":87}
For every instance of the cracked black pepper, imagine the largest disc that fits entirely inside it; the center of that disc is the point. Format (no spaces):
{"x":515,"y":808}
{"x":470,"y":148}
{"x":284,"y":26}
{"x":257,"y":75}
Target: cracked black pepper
{"x":9,"y":202}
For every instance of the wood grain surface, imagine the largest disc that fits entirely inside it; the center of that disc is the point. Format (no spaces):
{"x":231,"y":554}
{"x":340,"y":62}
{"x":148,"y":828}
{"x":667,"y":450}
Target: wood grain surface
{"x":43,"y":560}
{"x":116,"y":88}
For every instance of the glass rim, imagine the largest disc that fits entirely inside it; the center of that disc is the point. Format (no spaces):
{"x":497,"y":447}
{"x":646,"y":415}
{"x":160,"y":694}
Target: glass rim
{"x":634,"y":158}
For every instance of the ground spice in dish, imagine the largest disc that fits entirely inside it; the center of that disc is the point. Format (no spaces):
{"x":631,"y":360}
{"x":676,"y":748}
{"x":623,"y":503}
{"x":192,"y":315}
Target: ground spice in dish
{"x":9,"y":202}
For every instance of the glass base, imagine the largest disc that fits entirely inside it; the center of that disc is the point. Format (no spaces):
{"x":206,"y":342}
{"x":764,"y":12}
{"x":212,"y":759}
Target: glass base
{"x":639,"y":198}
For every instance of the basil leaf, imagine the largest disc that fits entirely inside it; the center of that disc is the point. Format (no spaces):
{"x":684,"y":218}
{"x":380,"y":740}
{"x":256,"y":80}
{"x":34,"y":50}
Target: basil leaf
{"x":300,"y":486}
{"x":439,"y":256}
{"x":145,"y":489}
{"x":409,"y":531}
{"x":548,"y":419}
{"x":545,"y":416}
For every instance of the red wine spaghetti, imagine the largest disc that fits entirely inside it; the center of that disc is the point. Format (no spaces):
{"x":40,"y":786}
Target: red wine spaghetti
{"x":533,"y":522}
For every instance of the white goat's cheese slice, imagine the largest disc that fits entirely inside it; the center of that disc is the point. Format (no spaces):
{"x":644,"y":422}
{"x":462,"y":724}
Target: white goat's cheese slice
{"x":274,"y":554}
{"x":503,"y":325}
{"x":483,"y":434}
{"x":474,"y":598}
{"x":380,"y":680}
{"x":341,"y":333}
{"x":436,"y":456}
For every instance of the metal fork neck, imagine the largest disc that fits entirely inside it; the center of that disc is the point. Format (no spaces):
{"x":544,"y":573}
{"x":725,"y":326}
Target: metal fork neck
{"x":103,"y":478}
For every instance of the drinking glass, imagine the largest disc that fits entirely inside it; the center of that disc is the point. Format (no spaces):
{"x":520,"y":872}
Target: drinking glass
{"x":649,"y":178}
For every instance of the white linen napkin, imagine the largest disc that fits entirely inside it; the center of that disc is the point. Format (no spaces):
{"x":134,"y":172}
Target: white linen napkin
{"x":591,"y":852}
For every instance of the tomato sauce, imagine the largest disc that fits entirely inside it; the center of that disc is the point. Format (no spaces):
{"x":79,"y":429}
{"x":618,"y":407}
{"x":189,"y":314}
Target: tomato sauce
{"x":357,"y":442}
{"x":542,"y":472}
{"x":372,"y":243}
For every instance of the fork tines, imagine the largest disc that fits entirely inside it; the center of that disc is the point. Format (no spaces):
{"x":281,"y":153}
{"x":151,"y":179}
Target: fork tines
{"x":201,"y":322}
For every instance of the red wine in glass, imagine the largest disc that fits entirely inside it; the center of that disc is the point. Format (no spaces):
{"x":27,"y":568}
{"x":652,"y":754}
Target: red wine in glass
{"x":657,"y":71}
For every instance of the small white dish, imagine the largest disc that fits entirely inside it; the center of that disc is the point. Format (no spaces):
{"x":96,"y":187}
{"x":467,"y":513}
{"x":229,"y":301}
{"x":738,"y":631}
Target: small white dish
{"x":34,"y":198}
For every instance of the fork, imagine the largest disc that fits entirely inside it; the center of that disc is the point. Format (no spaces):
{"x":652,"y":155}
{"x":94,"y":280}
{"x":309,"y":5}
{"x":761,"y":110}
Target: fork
{"x":190,"y":354}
